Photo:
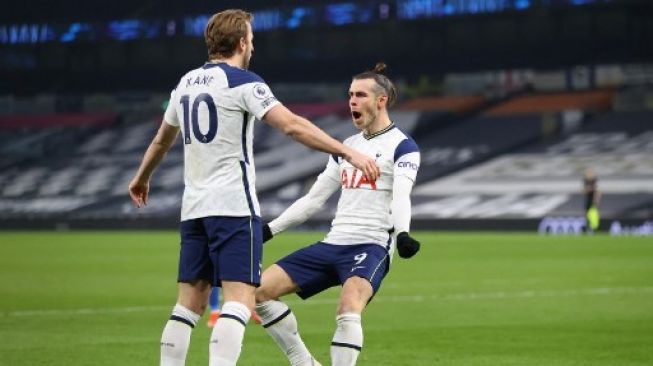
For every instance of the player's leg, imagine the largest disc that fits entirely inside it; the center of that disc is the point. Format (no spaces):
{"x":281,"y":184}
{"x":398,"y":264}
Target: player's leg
{"x":175,"y":338}
{"x":364,"y":266}
{"x":307,"y":272}
{"x":193,"y":288}
{"x":348,"y":338}
{"x":593,"y":219}
{"x":235,"y":249}
{"x":214,"y":299}
{"x":277,"y":318}
{"x":227,"y":336}
{"x":214,"y":307}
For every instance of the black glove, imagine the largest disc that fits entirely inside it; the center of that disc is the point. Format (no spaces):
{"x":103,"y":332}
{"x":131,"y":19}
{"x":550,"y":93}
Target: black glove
{"x":406,"y":246}
{"x":267,"y":233}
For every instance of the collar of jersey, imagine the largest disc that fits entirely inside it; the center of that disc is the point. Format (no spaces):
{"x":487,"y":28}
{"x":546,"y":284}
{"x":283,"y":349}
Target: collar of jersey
{"x":379,"y":133}
{"x":209,"y":64}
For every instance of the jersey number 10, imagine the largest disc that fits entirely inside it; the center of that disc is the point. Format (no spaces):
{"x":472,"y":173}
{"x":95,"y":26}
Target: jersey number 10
{"x":193,"y":119}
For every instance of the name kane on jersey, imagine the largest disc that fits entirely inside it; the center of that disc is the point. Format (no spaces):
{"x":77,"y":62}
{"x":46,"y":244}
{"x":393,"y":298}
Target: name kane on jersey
{"x":199,"y":80}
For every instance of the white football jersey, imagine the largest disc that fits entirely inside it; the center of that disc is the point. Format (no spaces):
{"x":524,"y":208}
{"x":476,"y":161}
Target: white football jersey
{"x":363,"y":214}
{"x":215,"y":107}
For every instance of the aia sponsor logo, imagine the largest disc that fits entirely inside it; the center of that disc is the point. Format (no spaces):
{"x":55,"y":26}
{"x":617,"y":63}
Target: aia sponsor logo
{"x":355,"y":179}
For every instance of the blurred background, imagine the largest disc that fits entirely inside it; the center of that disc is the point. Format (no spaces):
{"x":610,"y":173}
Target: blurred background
{"x":509,"y":100}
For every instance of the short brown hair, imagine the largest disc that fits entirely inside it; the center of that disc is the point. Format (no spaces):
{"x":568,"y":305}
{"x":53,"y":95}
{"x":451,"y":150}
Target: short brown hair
{"x":224,"y":31}
{"x":383,"y":83}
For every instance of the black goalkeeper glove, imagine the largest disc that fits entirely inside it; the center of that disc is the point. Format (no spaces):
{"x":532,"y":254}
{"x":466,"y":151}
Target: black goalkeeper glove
{"x":267,"y":233}
{"x":406,"y":246}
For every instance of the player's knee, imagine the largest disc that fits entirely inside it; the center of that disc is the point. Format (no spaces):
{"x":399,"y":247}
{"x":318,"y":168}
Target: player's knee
{"x":197,"y":306}
{"x":354,"y":297}
{"x":350,"y":304}
{"x":275,"y":282}
{"x":347,"y":308}
{"x":194,"y":296}
{"x":202,"y":307}
{"x":262,"y":294}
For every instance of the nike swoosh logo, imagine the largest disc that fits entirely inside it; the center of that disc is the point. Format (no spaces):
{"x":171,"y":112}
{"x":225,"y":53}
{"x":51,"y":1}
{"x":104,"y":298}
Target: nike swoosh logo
{"x":357,"y":267}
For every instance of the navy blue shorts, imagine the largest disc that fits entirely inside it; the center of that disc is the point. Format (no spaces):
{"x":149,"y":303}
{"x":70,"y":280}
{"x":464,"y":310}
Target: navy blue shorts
{"x":320,"y":266}
{"x":220,"y":248}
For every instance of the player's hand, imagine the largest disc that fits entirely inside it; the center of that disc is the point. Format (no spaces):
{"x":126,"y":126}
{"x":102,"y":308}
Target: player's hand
{"x":138,"y":192}
{"x":365,"y":164}
{"x":406,"y":246}
{"x":267,"y":233}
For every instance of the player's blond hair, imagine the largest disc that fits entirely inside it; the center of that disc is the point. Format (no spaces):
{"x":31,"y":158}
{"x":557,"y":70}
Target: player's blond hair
{"x":224,"y":31}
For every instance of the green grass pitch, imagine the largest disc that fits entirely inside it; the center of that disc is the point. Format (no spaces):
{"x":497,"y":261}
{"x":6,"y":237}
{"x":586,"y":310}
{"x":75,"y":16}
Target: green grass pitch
{"x":472,"y":299}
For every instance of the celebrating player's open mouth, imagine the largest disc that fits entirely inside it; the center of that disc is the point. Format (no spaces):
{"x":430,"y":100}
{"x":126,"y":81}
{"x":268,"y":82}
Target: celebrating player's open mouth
{"x":357,"y":117}
{"x":363,"y":120}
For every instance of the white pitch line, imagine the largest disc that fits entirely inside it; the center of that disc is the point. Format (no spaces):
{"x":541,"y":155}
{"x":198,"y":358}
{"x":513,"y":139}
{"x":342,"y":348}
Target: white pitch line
{"x":599,"y":291}
{"x":85,"y":311}
{"x":493,"y":295}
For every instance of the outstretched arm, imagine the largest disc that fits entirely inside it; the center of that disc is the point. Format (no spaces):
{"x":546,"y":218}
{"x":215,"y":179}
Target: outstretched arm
{"x":139,"y":187}
{"x":306,"y":206}
{"x":305,"y":132}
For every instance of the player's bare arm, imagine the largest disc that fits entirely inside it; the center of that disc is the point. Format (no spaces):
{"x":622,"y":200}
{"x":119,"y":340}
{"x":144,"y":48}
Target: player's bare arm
{"x":305,"y":132}
{"x":139,"y":187}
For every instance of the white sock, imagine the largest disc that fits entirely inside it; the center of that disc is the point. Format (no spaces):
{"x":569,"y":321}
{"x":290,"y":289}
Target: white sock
{"x":176,"y":336}
{"x":281,"y":325}
{"x":227,"y":336}
{"x":347,"y":340}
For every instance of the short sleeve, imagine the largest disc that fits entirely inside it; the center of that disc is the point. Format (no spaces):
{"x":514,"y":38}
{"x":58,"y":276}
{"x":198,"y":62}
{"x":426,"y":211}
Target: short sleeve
{"x":170,"y":115}
{"x":332,"y":170}
{"x":258,"y":99}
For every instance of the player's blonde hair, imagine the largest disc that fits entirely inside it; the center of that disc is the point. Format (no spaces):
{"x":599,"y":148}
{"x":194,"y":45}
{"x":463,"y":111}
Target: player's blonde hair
{"x":224,"y":31}
{"x":383,"y":84}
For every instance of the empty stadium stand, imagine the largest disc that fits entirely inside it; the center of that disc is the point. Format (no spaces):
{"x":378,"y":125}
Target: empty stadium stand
{"x":489,"y":160}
